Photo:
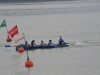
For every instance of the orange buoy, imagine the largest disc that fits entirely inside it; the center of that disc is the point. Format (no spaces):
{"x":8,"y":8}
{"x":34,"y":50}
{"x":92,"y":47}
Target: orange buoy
{"x":20,"y":49}
{"x":29,"y":64}
{"x":8,"y":39}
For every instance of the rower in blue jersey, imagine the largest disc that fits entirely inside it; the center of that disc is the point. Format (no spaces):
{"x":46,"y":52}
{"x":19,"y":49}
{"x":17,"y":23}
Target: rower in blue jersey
{"x":61,"y":41}
{"x":50,"y":43}
{"x":43,"y":44}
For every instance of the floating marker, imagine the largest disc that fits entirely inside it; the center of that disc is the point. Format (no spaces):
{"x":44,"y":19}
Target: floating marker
{"x":21,"y":50}
{"x":29,"y":64}
{"x":8,"y":39}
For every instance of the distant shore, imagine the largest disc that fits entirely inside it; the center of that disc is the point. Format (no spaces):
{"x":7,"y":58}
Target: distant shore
{"x":6,"y":1}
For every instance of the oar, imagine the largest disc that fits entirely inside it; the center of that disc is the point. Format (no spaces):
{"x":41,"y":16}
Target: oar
{"x":9,"y":46}
{"x":68,"y":43}
{"x":14,"y":45}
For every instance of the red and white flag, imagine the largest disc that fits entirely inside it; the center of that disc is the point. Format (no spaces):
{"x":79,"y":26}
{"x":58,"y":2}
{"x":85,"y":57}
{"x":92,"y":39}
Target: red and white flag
{"x":21,"y":37}
{"x":13,"y":31}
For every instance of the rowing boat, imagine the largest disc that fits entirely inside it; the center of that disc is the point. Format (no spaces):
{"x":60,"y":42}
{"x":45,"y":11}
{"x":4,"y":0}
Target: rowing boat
{"x":40,"y":47}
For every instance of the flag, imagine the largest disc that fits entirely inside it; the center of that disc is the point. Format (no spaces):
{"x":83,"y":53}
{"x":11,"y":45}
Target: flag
{"x":3,"y":24}
{"x":13,"y":31}
{"x":20,"y":38}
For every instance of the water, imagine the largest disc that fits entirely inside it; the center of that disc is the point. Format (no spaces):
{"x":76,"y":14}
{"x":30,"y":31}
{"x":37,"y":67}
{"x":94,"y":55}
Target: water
{"x":76,"y":21}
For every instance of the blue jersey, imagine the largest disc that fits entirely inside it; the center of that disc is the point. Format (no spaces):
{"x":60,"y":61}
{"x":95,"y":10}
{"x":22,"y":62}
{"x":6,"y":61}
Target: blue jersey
{"x":61,"y":40}
{"x":49,"y":44}
{"x":41,"y":44}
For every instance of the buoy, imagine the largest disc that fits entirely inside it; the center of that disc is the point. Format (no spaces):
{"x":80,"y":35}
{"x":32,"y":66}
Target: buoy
{"x":20,"y":49}
{"x":8,"y":39}
{"x":29,"y":63}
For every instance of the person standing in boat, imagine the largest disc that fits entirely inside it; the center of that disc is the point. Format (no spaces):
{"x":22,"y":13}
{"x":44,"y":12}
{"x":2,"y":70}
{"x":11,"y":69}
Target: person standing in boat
{"x":42,"y":43}
{"x":33,"y":43}
{"x":61,"y":41}
{"x":50,"y":43}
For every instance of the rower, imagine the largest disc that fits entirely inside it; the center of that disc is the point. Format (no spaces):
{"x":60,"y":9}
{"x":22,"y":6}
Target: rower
{"x":50,"y":43}
{"x":27,"y":44}
{"x":61,"y":41}
{"x":33,"y":43}
{"x":42,"y":43}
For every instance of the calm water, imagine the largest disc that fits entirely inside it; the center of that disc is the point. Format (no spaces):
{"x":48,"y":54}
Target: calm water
{"x":78,"y":22}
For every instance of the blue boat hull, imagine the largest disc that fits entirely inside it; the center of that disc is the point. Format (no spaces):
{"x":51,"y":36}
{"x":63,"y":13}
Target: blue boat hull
{"x":41,"y":47}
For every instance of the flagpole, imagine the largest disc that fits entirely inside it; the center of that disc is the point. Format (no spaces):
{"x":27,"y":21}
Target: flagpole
{"x":26,"y":47}
{"x":7,"y":31}
{"x":24,"y":37}
{"x":18,"y":32}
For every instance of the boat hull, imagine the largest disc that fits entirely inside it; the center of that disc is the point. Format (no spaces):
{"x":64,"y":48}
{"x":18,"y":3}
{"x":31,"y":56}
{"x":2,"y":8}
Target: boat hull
{"x":41,"y":47}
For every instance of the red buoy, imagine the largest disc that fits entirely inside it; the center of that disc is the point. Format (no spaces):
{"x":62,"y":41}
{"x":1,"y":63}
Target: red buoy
{"x":8,"y":39}
{"x":20,"y":49}
{"x":29,"y":64}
